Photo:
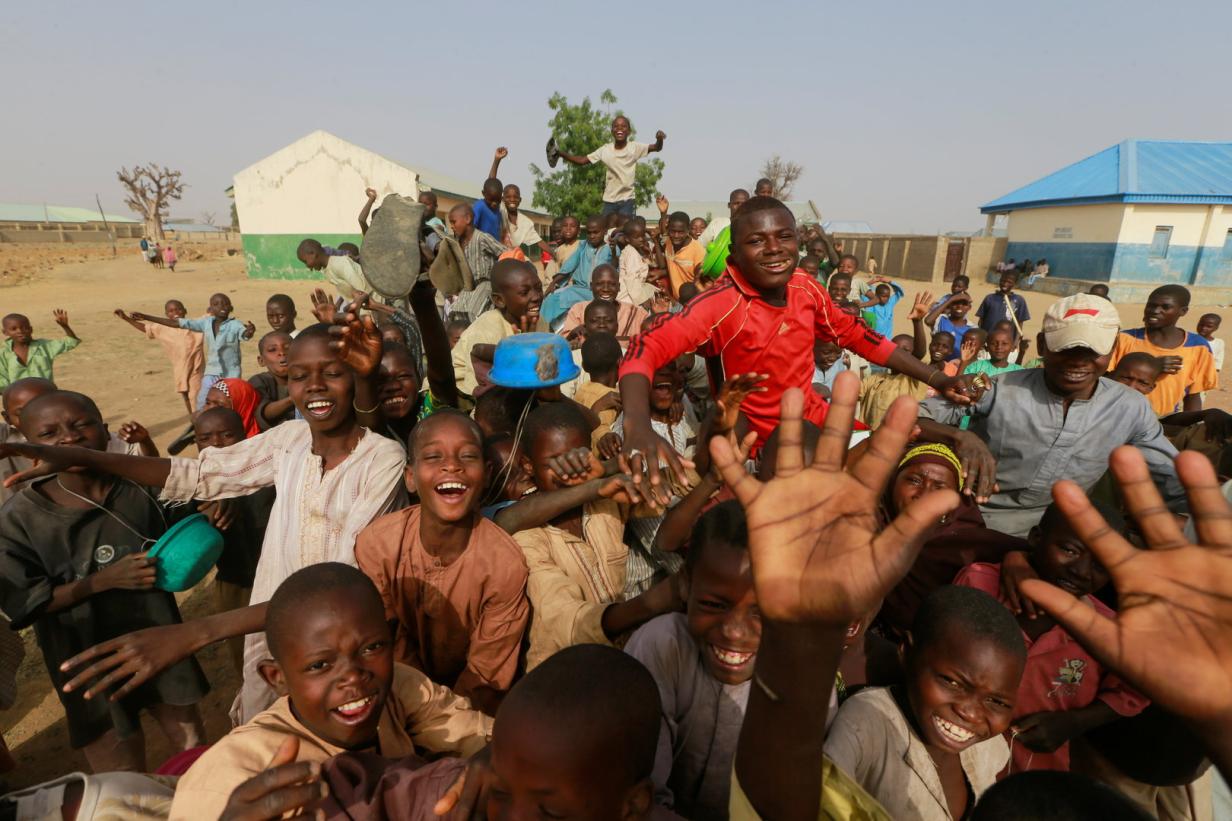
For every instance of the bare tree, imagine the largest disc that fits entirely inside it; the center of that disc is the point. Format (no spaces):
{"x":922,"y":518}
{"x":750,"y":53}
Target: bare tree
{"x":209,"y":218}
{"x":150,"y":190}
{"x":782,"y":174}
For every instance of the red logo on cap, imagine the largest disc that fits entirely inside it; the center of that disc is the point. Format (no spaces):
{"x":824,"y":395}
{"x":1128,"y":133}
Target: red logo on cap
{"x":1083,"y":311}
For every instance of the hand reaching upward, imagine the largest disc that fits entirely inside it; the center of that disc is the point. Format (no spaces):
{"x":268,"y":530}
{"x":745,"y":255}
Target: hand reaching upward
{"x":813,"y":532}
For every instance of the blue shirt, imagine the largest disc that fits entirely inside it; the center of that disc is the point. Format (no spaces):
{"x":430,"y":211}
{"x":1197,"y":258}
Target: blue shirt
{"x":883,"y":315}
{"x":222,"y":349}
{"x":487,"y":219}
{"x":826,"y":378}
{"x":994,"y":309}
{"x":944,"y":324}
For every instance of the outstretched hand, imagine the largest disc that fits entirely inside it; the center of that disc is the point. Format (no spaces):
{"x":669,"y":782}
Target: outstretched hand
{"x":732,"y":395}
{"x":818,"y":553}
{"x":356,"y":339}
{"x":920,"y":308}
{"x":1172,"y":635}
{"x":285,"y":786}
{"x":61,"y":317}
{"x":323,"y":307}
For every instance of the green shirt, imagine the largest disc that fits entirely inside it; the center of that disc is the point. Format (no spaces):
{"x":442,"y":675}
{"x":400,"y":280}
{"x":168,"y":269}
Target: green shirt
{"x":38,"y":359}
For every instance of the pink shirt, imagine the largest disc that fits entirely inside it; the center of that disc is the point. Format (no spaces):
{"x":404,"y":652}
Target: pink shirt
{"x":1060,"y":675}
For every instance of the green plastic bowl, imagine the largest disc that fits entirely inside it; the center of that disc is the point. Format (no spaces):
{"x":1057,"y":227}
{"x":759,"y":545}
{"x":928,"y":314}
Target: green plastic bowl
{"x":185,"y":553}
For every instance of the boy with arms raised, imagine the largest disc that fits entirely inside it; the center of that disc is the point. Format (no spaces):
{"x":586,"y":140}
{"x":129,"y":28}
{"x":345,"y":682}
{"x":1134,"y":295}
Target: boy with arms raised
{"x":620,"y":156}
{"x":453,"y":583}
{"x":763,"y":317}
{"x":182,"y":346}
{"x":24,"y":356}
{"x":1189,"y":367}
{"x":339,"y":689}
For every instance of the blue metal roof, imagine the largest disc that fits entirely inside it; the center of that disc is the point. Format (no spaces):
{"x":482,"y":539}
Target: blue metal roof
{"x":1171,"y":171}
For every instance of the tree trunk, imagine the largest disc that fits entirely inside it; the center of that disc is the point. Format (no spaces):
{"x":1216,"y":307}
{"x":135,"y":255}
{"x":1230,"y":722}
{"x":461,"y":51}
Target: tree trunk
{"x":154,"y":229}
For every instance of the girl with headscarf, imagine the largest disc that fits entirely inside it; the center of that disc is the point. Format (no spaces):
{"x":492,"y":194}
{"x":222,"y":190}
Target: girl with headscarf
{"x":959,"y":539}
{"x":241,"y":398}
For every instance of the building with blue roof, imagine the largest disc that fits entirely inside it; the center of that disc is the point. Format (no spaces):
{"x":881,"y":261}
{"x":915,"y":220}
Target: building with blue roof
{"x":1139,"y":212}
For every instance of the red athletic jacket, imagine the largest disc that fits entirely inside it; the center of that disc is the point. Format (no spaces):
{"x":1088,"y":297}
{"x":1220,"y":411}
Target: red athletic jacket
{"x":749,"y":335}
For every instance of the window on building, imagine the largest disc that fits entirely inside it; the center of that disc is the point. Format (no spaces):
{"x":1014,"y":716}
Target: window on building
{"x":1066,"y":232}
{"x":1159,"y":245}
{"x":1227,"y":245}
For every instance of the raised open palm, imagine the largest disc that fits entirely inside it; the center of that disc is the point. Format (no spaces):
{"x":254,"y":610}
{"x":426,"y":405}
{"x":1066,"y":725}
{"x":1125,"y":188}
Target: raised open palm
{"x":356,"y":339}
{"x":1172,"y":636}
{"x":813,"y":531}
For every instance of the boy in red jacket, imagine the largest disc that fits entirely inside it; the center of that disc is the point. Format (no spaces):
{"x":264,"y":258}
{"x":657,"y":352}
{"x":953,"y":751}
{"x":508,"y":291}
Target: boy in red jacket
{"x":762,"y":317}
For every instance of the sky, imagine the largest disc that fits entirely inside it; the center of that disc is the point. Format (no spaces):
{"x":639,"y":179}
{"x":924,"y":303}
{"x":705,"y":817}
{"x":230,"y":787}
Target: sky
{"x":907,"y":115}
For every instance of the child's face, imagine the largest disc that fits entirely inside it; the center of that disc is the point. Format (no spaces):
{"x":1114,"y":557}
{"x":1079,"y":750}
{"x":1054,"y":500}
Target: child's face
{"x":919,"y":478}
{"x":678,"y":232}
{"x":455,"y":333}
{"x":847,"y":265}
{"x":809,"y":264}
{"x":281,"y":316}
{"x":273,"y":355}
{"x":697,"y":227}
{"x":460,"y":222}
{"x":1162,"y":312}
{"x":175,"y":310}
{"x":957,"y":308}
{"x":840,"y":289}
{"x":217,"y":430}
{"x":505,"y":466}
{"x":313,"y":260}
{"x":64,"y":421}
{"x":398,"y":384}
{"x":320,"y":385}
{"x":16,"y":399}
{"x":512,"y":197}
{"x":961,"y":691}
{"x":429,"y":202}
{"x":548,"y":445}
{"x":620,"y":129}
{"x":1061,"y":558}
{"x":825,"y":354}
{"x":521,"y":295}
{"x":605,"y":283}
{"x":540,"y":772}
{"x":1207,"y":325}
{"x":220,"y":306}
{"x":883,"y":295}
{"x":958,"y":286}
{"x":393,"y":335}
{"x":17,"y":328}
{"x":601,"y":318}
{"x":666,"y":389}
{"x":337,"y":667}
{"x":594,"y":232}
{"x":449,"y":472}
{"x":215,"y":398}
{"x":1137,"y":375}
{"x":940,"y":348}
{"x":1000,"y":345}
{"x":1008,"y":281}
{"x":723,"y":616}
{"x":569,"y":230}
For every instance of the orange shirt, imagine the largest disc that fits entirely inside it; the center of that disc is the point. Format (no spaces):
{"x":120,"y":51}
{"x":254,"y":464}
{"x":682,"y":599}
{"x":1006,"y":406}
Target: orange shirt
{"x":682,"y":264}
{"x":1197,"y":371}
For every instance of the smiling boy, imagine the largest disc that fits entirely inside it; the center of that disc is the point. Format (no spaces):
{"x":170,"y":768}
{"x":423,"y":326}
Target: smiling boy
{"x":620,"y":157}
{"x":517,"y":295}
{"x":762,"y":317}
{"x":453,"y":583}
{"x":23,"y":356}
{"x":339,"y":689}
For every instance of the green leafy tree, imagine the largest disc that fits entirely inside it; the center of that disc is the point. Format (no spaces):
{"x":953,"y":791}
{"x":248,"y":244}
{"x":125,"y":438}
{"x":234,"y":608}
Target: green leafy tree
{"x":580,"y":129}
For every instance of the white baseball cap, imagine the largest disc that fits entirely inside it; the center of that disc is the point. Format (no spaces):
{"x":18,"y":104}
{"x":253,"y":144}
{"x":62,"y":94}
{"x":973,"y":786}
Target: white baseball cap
{"x":1082,"y":321}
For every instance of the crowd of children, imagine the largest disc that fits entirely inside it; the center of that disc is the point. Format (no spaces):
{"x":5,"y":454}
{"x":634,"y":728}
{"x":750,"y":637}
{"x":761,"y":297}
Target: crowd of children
{"x":604,"y":533}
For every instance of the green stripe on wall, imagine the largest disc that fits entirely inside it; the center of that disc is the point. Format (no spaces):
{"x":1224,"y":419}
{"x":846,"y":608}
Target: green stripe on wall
{"x":272,"y":256}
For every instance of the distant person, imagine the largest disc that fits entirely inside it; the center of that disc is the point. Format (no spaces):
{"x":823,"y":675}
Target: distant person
{"x":620,"y":156}
{"x":169,"y":258}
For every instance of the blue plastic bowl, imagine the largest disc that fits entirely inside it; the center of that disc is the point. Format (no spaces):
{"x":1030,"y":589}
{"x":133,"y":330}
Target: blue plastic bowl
{"x":533,"y":361}
{"x":185,"y":553}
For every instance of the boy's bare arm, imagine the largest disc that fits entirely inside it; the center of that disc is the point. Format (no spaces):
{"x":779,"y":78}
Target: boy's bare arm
{"x":56,"y":458}
{"x":540,"y":508}
{"x":136,"y":323}
{"x":61,"y":317}
{"x":157,"y":320}
{"x":657,"y":145}
{"x":367,"y":209}
{"x":441,"y":379}
{"x":499,"y":155}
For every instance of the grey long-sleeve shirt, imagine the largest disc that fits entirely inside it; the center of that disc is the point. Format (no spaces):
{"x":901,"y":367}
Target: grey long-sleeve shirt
{"x":1036,"y":443}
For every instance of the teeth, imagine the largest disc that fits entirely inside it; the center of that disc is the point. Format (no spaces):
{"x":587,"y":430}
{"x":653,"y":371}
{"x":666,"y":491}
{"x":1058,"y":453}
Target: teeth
{"x":451,"y":486}
{"x":730,"y":657}
{"x":353,"y":706}
{"x":953,"y":731}
{"x":395,"y":400}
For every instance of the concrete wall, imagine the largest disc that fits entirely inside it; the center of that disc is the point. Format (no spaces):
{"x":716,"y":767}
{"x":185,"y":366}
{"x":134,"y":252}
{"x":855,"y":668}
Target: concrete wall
{"x":908,"y":256}
{"x":67,"y":231}
{"x":312,"y":188}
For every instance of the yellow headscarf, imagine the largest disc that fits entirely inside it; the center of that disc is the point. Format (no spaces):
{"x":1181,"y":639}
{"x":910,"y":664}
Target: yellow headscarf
{"x":939,"y":452}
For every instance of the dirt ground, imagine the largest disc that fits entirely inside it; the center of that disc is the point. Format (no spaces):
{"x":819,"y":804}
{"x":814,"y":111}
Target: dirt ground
{"x":130,"y":379}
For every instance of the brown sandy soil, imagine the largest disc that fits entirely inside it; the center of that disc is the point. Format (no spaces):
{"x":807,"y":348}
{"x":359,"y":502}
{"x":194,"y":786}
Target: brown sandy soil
{"x":130,"y":379}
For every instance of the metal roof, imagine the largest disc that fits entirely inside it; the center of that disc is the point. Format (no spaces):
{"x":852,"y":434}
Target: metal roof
{"x":1168,"y":171}
{"x":847,"y":227}
{"x":709,"y":209}
{"x":18,"y":212}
